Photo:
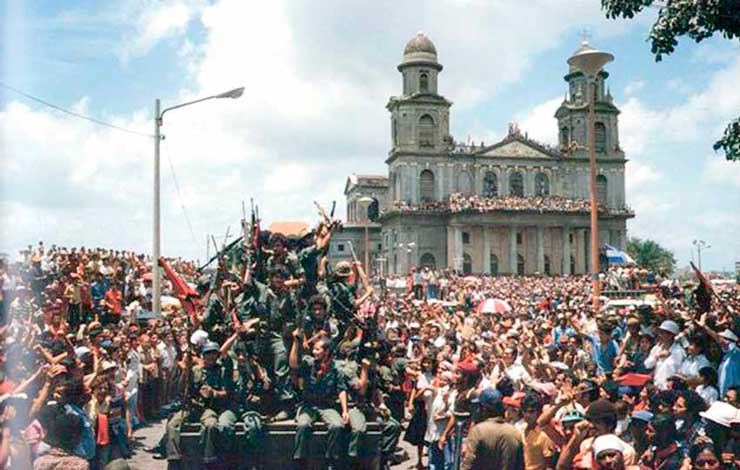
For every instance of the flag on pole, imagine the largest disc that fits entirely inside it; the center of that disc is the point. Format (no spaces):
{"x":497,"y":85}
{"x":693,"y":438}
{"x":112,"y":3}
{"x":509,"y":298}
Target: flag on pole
{"x":615,"y":256}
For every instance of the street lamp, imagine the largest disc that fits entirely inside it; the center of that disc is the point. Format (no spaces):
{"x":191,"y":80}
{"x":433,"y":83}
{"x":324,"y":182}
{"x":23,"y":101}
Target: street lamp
{"x":409,"y":246}
{"x":700,"y":244}
{"x":364,"y":203}
{"x":158,"y":122}
{"x":590,"y":62}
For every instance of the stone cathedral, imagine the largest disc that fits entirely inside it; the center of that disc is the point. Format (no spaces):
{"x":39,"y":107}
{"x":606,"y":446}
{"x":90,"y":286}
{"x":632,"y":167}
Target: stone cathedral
{"x":514,"y":207}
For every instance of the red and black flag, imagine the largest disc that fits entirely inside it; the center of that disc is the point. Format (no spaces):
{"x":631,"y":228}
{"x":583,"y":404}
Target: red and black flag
{"x":703,"y":292}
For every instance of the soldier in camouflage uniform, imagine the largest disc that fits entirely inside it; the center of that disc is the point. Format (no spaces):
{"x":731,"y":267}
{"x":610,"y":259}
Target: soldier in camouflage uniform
{"x":251,"y":382}
{"x":274,"y":306}
{"x":210,"y":392}
{"x":321,"y":384}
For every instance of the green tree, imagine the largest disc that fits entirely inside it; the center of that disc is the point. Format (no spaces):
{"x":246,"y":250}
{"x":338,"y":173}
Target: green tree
{"x":650,"y":255}
{"x":697,"y":19}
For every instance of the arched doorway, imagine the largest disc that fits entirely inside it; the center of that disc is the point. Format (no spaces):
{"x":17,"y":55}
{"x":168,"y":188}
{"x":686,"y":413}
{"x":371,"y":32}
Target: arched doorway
{"x":373,"y":210}
{"x":520,"y":265}
{"x":516,"y":184}
{"x":426,"y":186}
{"x":428,"y":261}
{"x":601,"y":189}
{"x":493,"y":262}
{"x":467,"y":266}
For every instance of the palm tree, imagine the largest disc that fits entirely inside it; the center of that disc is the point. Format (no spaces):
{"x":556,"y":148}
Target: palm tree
{"x":650,"y":255}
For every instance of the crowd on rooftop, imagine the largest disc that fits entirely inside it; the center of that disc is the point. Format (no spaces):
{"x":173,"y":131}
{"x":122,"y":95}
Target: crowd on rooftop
{"x":459,"y":202}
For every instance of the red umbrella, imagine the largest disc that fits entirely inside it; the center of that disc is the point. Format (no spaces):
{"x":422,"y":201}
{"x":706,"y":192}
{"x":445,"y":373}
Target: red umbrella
{"x":493,"y":306}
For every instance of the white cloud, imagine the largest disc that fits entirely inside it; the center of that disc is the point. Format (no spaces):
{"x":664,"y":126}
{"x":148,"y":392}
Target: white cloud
{"x":540,"y":122}
{"x":719,"y":171}
{"x":152,"y":21}
{"x":316,"y":77}
{"x":639,"y":175}
{"x":633,"y":88}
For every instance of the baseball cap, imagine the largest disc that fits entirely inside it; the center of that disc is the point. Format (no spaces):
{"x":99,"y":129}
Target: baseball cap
{"x":210,"y":346}
{"x":490,"y":398}
{"x":670,"y":326}
{"x":642,"y":415}
{"x":572,"y":416}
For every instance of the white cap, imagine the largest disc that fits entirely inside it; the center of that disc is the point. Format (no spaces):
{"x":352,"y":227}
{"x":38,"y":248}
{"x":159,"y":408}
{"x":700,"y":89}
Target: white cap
{"x":198,"y":337}
{"x":607,"y":442}
{"x":81,"y":351}
{"x":729,"y":335}
{"x":722,"y":413}
{"x":670,"y":326}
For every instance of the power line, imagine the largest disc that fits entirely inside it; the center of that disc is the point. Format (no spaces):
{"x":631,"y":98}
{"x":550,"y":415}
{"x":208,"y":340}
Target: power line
{"x":179,"y":196}
{"x":72,"y":113}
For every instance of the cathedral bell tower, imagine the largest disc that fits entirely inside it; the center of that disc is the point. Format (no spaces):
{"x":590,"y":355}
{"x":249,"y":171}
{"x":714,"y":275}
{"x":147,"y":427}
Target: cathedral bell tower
{"x":572,"y":116}
{"x":420,"y":116}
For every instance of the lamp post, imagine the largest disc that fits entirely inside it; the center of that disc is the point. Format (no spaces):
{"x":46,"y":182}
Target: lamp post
{"x":409,"y":246}
{"x":590,"y":62}
{"x":364,"y":203}
{"x":700,"y":244}
{"x":158,"y":122}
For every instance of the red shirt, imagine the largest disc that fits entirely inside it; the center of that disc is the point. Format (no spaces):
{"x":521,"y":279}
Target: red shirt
{"x":113,"y":300}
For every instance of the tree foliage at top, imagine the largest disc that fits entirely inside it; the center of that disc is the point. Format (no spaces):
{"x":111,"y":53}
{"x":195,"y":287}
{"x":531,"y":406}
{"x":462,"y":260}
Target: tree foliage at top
{"x":697,"y":19}
{"x":650,"y":255}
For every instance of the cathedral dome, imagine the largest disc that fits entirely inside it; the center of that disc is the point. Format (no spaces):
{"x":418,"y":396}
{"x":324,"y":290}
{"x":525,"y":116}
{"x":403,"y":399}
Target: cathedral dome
{"x":420,"y":50}
{"x":420,"y":43}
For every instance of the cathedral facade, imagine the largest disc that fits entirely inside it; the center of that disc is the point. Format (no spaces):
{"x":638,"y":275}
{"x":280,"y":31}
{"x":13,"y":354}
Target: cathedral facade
{"x":514,"y":207}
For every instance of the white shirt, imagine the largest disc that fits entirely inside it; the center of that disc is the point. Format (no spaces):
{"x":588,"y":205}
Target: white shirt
{"x":692,"y":364}
{"x":708,"y":393}
{"x":442,"y":404}
{"x":664,"y":367}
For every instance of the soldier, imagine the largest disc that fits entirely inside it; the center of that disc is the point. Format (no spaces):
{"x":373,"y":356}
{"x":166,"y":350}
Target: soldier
{"x":316,"y":323}
{"x":281,"y":256}
{"x":274,"y":306}
{"x":341,"y":295}
{"x":310,"y":258}
{"x":210,"y":390}
{"x":251,"y":381}
{"x":322,"y":385}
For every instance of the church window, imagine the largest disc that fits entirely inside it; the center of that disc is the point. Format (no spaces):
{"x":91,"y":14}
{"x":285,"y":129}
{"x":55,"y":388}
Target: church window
{"x":516,"y":184}
{"x":428,"y":260}
{"x":394,"y":131}
{"x":466,"y":238}
{"x":520,"y":265}
{"x":426,"y":131}
{"x":519,"y":238}
{"x":490,"y":184}
{"x":426,"y":185}
{"x":340,"y":247}
{"x":467,"y":266}
{"x":601,"y":189}
{"x":572,"y":264}
{"x":564,"y":135}
{"x":493,"y":260}
{"x":373,"y":210}
{"x":465,"y":183}
{"x":423,"y":82}
{"x":600,"y":136}
{"x":541,"y":185}
{"x":547,"y":265}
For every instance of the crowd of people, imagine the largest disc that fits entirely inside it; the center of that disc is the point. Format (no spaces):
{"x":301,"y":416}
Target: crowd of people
{"x":540,"y":380}
{"x":459,"y":202}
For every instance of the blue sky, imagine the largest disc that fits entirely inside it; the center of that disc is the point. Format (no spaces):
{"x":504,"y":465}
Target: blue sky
{"x":318,"y":75}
